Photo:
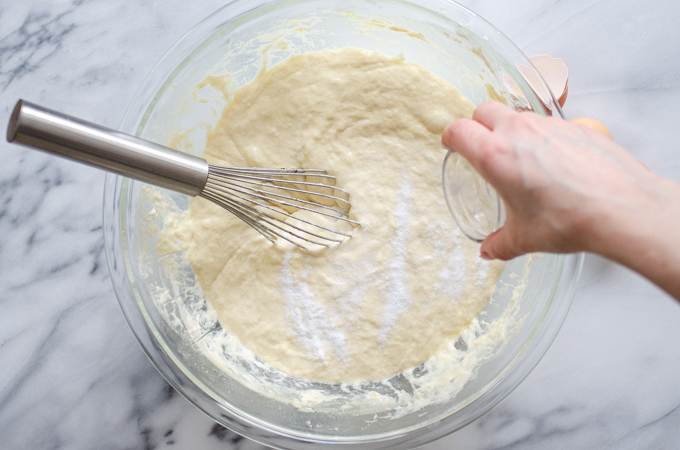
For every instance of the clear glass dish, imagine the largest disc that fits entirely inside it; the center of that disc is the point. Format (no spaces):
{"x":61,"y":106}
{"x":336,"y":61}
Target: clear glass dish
{"x":171,"y":320}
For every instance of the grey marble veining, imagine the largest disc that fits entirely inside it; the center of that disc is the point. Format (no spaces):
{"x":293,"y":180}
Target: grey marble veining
{"x":72,"y":375}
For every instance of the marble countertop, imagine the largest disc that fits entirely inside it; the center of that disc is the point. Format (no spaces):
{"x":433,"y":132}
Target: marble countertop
{"x":71,"y":373}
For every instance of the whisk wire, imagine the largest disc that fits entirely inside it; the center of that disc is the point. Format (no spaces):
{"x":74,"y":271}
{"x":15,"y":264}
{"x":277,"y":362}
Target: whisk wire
{"x":250,"y":193}
{"x":254,"y":218}
{"x":227,"y":187}
{"x":247,"y":218}
{"x":269,"y":181}
{"x":283,"y":212}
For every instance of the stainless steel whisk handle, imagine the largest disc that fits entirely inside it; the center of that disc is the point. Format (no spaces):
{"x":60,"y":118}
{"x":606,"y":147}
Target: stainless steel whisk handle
{"x":104,"y":148}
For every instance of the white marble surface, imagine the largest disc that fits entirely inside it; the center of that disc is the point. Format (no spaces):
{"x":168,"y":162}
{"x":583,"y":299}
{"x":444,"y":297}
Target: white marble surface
{"x":72,"y":375}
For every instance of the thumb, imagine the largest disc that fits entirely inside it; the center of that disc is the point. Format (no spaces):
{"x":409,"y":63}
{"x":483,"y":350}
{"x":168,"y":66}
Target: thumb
{"x":499,"y":245}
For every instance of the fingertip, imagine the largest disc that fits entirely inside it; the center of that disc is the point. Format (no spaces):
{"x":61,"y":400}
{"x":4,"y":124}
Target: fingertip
{"x":450,"y":134}
{"x":466,"y":137}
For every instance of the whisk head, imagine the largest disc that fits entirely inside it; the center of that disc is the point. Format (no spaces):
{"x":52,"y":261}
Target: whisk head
{"x":267,"y":198}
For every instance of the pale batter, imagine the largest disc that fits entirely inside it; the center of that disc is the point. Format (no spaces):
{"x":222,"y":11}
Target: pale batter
{"x":384,"y":300}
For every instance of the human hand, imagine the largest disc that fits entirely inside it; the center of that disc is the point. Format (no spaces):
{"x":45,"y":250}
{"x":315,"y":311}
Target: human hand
{"x":565,"y":186}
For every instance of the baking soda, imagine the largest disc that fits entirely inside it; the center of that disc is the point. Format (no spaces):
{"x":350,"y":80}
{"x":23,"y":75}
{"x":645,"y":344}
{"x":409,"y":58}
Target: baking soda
{"x":313,"y":327}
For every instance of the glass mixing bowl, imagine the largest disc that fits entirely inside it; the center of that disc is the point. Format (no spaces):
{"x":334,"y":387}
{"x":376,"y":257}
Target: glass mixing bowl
{"x":166,"y":309}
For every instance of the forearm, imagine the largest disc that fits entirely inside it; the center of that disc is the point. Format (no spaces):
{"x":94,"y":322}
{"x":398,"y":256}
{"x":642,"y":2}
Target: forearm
{"x":645,"y":234}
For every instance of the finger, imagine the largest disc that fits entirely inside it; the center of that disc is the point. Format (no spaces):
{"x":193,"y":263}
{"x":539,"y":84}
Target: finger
{"x":491,"y":113}
{"x":466,"y":137}
{"x":499,"y":245}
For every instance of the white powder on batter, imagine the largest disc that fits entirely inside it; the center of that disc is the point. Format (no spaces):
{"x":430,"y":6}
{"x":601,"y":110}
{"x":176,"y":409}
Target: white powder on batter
{"x":482,"y":272}
{"x":397,"y":297}
{"x":312,"y":324}
{"x":453,"y":277}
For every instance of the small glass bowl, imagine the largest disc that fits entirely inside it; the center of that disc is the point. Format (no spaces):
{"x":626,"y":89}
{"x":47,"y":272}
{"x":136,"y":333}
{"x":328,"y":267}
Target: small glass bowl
{"x":474,"y":204}
{"x":441,"y":36}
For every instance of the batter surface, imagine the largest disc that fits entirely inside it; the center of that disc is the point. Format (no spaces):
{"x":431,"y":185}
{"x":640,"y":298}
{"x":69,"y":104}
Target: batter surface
{"x":384,"y":300}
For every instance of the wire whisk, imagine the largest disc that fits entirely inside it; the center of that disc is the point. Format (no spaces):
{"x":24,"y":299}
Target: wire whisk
{"x":265,"y":199}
